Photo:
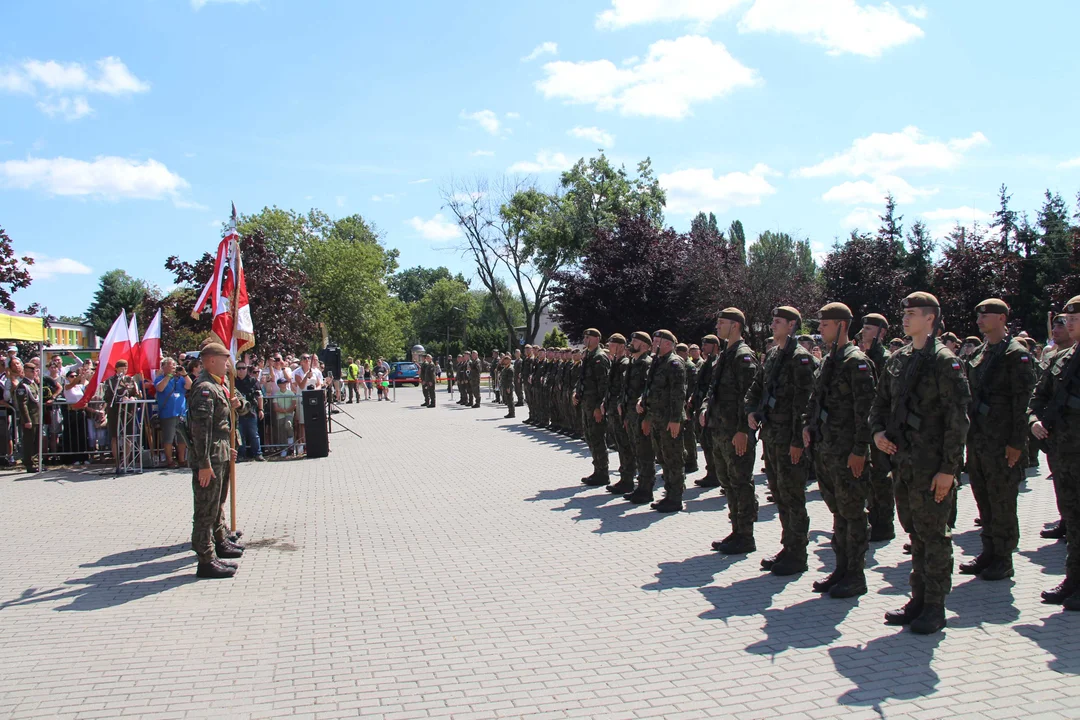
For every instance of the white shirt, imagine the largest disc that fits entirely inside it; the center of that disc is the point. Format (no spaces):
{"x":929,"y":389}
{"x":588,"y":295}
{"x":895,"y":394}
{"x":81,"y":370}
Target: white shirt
{"x":316,"y":379}
{"x":74,"y":394}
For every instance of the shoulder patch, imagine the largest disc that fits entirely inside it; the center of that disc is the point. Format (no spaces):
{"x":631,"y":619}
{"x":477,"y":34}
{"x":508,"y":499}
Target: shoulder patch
{"x":863,"y":366}
{"x":955,"y":364}
{"x":206,"y":393}
{"x":804,"y":360}
{"x":747,"y":358}
{"x":1025,"y":358}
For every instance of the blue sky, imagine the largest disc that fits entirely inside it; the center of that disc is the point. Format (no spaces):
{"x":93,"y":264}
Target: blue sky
{"x":127,"y":127}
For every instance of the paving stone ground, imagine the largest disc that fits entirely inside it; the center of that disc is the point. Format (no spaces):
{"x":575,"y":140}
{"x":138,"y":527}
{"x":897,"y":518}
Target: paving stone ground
{"x":449,"y":564}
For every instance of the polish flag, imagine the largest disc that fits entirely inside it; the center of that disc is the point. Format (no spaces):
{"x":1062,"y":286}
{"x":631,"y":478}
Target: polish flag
{"x":134,"y":348}
{"x":231,"y":325}
{"x":114,"y":348}
{"x":151,"y":346}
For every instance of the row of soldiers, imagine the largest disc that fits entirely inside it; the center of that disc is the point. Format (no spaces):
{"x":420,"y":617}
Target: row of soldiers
{"x":885,"y":434}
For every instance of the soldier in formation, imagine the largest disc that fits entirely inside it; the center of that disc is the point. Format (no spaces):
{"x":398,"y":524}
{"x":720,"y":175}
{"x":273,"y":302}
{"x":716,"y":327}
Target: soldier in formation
{"x":506,"y":383}
{"x":427,"y":380}
{"x":588,"y":400}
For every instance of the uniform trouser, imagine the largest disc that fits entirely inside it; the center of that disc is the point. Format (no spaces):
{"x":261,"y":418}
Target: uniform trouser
{"x":928,"y":525}
{"x":881,"y":503}
{"x":429,"y":394}
{"x":643,"y":453}
{"x":508,"y":399}
{"x":625,"y":447}
{"x":463,"y":390}
{"x":596,"y":438}
{"x":689,"y":441}
{"x":670,"y":452}
{"x":996,"y":487}
{"x":1066,"y":469}
{"x":30,"y":447}
{"x":519,"y":392}
{"x":474,"y":389}
{"x":790,"y":496}
{"x":221,"y":530}
{"x":736,"y":476}
{"x":846,"y":497}
{"x":707,"y":446}
{"x":207,"y":522}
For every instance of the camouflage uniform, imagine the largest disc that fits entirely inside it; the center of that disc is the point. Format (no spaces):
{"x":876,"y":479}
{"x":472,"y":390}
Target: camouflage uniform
{"x":1001,"y":378}
{"x":688,"y":435}
{"x":506,"y":385}
{"x":612,"y":403}
{"x":636,"y":377}
{"x":28,"y":406}
{"x":592,"y":388}
{"x":666,"y":403}
{"x":475,"y":369}
{"x":881,"y":504}
{"x":463,"y":383}
{"x":427,"y":381}
{"x":519,"y":388}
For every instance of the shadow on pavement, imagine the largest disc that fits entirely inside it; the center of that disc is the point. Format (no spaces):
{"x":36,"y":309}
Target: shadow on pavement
{"x":744,"y":598}
{"x":560,"y":442}
{"x":1057,"y":636}
{"x":141,"y":555}
{"x":1050,"y":557}
{"x":110,"y":588}
{"x":890,"y":667}
{"x":809,"y":624}
{"x":977,"y":602}
{"x":694,"y":572}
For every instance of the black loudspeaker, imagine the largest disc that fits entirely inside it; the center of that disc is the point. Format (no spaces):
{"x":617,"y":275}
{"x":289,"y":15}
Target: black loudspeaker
{"x":317,"y":439}
{"x":331,"y":360}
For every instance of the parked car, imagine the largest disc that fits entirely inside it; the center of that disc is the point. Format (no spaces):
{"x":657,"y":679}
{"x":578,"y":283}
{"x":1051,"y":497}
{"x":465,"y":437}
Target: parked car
{"x":405,"y":373}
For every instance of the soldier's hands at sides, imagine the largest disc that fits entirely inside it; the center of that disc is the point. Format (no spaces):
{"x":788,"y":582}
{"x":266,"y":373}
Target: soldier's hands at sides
{"x":739,"y":441}
{"x":857,"y":463}
{"x":577,"y":400}
{"x":1012,"y":455}
{"x":884,"y":444}
{"x":205,"y":475}
{"x":752,"y":421}
{"x":640,"y":409}
{"x":598,"y":415}
{"x":796,"y":454}
{"x":1039,"y":430}
{"x":806,"y":437}
{"x":701,"y":418}
{"x":942,"y":485}
{"x":28,"y":425}
{"x":646,"y":427}
{"x":674,"y":428}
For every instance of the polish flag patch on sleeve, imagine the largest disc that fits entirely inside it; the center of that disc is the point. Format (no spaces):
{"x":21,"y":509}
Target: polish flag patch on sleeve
{"x":747,"y":358}
{"x":955,"y":364}
{"x":805,"y":360}
{"x":1025,"y":358}
{"x":863,"y":366}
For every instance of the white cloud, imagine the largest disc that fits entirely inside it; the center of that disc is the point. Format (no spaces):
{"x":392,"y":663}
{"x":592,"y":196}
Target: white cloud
{"x":544,"y":48}
{"x":594,"y":135}
{"x":673,"y":76}
{"x":47,"y":268}
{"x":917,"y":12}
{"x":861,"y":192}
{"x":887,"y":153}
{"x":385,"y":197}
{"x":546,"y":161}
{"x":1074,"y":163}
{"x":111,"y":178}
{"x":696,"y":190}
{"x":483,"y":153}
{"x":624,"y":13}
{"x":437,"y":229}
{"x":63,"y":86}
{"x":945,"y":219}
{"x":486,"y":119}
{"x":421,"y":181}
{"x":513,"y":116}
{"x":198,"y":4}
{"x":863,"y":218}
{"x":840,"y":26}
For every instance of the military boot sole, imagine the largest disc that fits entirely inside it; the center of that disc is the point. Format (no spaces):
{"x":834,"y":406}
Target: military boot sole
{"x":823,"y":586}
{"x":784,"y":568}
{"x":706,"y":483}
{"x":667,"y":507}
{"x":229,"y":553}
{"x":974,"y":567}
{"x":739,"y":547}
{"x":621,"y":488}
{"x":638,"y":499}
{"x":927,"y":626}
{"x":841,"y":591}
{"x":593,"y":481}
{"x":208,"y":571}
{"x":991,"y":575}
{"x":903,"y":616}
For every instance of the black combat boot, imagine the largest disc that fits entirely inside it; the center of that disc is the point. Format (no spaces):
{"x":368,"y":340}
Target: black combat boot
{"x":789,"y":563}
{"x":739,"y":545}
{"x":597,"y":479}
{"x":1057,"y":595}
{"x":1001,"y":568}
{"x":882,"y":532}
{"x":640,"y":496}
{"x":668,"y":504}
{"x":852,"y":585}
{"x":768,"y":562}
{"x":907,"y":613}
{"x":709,"y":481}
{"x":1072,"y":602}
{"x":625,"y":485}
{"x":718,"y":544}
{"x":226,"y":549}
{"x":982,"y":561}
{"x":930,"y":620}
{"x":690,"y":468}
{"x":831,"y":580}
{"x":1057,"y":532}
{"x":214,"y":570}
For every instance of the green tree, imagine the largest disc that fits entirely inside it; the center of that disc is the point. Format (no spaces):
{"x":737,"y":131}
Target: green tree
{"x":556,"y":338}
{"x":412,"y":284}
{"x":444,"y":312}
{"x":737,"y":236}
{"x":116,"y":291}
{"x":919,"y":260}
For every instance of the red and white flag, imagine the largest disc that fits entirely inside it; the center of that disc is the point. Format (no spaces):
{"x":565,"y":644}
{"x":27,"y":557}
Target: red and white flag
{"x":134,"y":348}
{"x":114,"y":348}
{"x":151,"y":346}
{"x":225,"y":284}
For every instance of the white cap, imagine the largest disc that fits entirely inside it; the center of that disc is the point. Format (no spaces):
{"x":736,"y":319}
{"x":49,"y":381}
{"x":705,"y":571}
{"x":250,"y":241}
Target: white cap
{"x":12,"y":348}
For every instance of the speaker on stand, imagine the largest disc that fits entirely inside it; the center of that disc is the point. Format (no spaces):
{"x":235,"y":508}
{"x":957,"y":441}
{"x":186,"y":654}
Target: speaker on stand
{"x":317,"y":438}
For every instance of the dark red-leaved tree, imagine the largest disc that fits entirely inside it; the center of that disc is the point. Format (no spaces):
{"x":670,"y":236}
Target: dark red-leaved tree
{"x":277,"y":308}
{"x":13,"y":273}
{"x":973,"y":268}
{"x":863,"y":274}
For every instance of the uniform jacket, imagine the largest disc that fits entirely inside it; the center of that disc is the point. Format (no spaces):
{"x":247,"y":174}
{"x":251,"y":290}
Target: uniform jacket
{"x":592,"y":379}
{"x":840,"y":403}
{"x":28,"y":402}
{"x":616,"y":385}
{"x":1001,"y":378}
{"x":781,"y":392}
{"x":637,"y":374}
{"x":1057,"y":388}
{"x":666,"y":402}
{"x":208,"y":421}
{"x":725,"y":405}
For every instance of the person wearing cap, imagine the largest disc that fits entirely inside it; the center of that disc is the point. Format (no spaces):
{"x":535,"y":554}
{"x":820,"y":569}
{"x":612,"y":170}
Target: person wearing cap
{"x":247,"y":425}
{"x":352,"y":375}
{"x":534,"y":387}
{"x":119,"y":388}
{"x":519,"y":383}
{"x":919,"y":418}
{"x":1054,"y":418}
{"x":710,"y":349}
{"x":210,"y":407}
{"x":551,"y":376}
{"x":776,"y":403}
{"x":837,"y":425}
{"x":567,"y":383}
{"x":506,"y":374}
{"x":689,"y":439}
{"x":1001,"y":376}
{"x":620,"y":363}
{"x":881,"y":504}
{"x":461,"y":373}
{"x":475,"y":370}
{"x":1061,"y":342}
{"x":632,"y":412}
{"x":951,"y":341}
{"x":665,"y":410}
{"x":734,"y":442}
{"x":28,"y":401}
{"x":427,"y":380}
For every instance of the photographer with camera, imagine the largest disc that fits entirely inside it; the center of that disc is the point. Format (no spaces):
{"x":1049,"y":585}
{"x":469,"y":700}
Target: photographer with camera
{"x":305,"y":377}
{"x":171,"y":387}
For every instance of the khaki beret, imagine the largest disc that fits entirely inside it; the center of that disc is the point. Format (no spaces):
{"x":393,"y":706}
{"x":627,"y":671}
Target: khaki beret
{"x":617,"y":338}
{"x":950,"y":337}
{"x":993,"y":306}
{"x":642,"y":336}
{"x":788,"y":313}
{"x":876,"y":320}
{"x":973,"y":340}
{"x":694,"y":346}
{"x":683,"y":347}
{"x":214,"y":348}
{"x":804,"y":338}
{"x":1059,"y":320}
{"x":33,"y":364}
{"x":734,"y":314}
{"x":1073,"y":306}
{"x":710,"y":339}
{"x":592,"y":332}
{"x":666,"y":335}
{"x":920,"y":300}
{"x":896,"y":342}
{"x":835,"y":311}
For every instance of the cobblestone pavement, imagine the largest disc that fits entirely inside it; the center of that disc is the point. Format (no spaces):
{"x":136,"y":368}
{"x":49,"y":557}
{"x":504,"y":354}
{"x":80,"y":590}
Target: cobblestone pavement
{"x":449,"y":564}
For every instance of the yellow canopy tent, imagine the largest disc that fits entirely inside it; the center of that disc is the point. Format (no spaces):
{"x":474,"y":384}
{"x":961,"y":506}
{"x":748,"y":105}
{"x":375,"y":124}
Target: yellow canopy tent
{"x":14,"y":326}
